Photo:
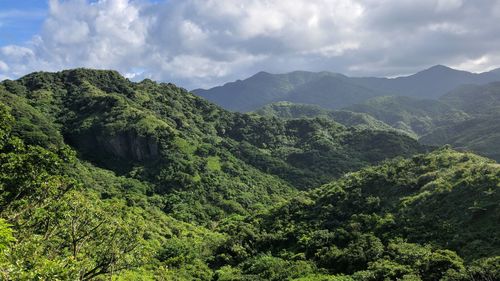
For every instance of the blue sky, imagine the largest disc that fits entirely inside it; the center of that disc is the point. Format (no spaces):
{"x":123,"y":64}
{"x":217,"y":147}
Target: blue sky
{"x":20,"y":20}
{"x":202,"y":43}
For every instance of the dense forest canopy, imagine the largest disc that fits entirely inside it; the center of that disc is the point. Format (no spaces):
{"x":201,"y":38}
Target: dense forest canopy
{"x":103,"y":178}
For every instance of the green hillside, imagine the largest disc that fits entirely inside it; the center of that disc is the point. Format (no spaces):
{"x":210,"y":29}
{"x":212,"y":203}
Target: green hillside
{"x":162,"y":134}
{"x":415,"y":116}
{"x":64,"y":219}
{"x":102,"y":178}
{"x":156,"y":133}
{"x":430,"y":217}
{"x":475,"y":99}
{"x":481,"y":135}
{"x":332,"y":92}
{"x":480,"y":132}
{"x":288,"y":110}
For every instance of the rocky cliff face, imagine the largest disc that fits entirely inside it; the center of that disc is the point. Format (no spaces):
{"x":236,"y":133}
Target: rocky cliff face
{"x":128,"y":146}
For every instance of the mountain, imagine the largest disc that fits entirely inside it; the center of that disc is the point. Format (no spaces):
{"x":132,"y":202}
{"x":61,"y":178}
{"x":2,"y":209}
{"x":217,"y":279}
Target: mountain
{"x":103,"y":178}
{"x":64,"y":219}
{"x":333,"y":91}
{"x":258,"y":90}
{"x":415,"y":116}
{"x":423,"y":218}
{"x":479,"y":132}
{"x":160,"y":131}
{"x":475,"y":99}
{"x":429,"y":83}
{"x":288,"y":110}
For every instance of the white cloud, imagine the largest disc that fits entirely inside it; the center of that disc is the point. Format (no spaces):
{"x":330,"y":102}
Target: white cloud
{"x":479,"y":64}
{"x":16,"y":52}
{"x":206,"y":42}
{"x":448,"y":5}
{"x":3,"y":66}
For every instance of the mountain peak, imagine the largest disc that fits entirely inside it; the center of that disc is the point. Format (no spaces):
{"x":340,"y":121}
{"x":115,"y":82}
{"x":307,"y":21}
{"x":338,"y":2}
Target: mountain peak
{"x":261,"y":74}
{"x":439,"y":67}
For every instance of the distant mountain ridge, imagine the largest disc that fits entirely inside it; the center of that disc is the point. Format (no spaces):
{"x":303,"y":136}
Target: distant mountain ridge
{"x":415,"y":116}
{"x":334,"y":90}
{"x":480,"y":132}
{"x":288,"y":110}
{"x":466,"y":118}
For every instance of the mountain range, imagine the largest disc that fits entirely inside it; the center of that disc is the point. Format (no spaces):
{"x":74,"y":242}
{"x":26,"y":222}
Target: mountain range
{"x":334,"y":91}
{"x":103,"y":178}
{"x":466,"y":118}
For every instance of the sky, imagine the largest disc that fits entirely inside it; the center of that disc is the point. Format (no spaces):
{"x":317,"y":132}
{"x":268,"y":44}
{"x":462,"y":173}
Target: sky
{"x":203,"y":43}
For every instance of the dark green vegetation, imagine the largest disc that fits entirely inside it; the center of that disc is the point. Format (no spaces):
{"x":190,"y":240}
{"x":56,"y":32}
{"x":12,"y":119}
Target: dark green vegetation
{"x":334,"y":91}
{"x":422,"y":218}
{"x":481,"y":131}
{"x":102,"y":178}
{"x":288,"y":110}
{"x":438,"y":105}
{"x":466,"y":118}
{"x":414,"y":116}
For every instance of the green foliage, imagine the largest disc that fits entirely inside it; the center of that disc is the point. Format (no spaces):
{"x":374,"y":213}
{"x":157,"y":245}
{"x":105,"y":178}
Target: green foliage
{"x":415,"y":116}
{"x":441,"y":205}
{"x":480,"y":133}
{"x":485,"y":269}
{"x":207,"y":163}
{"x":290,"y":110}
{"x":105,"y":179}
{"x":6,"y":236}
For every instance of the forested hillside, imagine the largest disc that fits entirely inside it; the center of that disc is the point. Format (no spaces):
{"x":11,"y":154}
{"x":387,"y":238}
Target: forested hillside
{"x":479,"y":132}
{"x":105,"y":178}
{"x":414,"y":116}
{"x":438,"y":106}
{"x":288,"y":110}
{"x":429,"y":217}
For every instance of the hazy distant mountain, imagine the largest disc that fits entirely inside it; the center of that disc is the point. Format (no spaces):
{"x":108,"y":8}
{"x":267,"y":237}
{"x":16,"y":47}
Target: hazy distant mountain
{"x":288,"y":110}
{"x":258,"y":90}
{"x":430,"y":83}
{"x":475,"y":99}
{"x":415,"y":116}
{"x":332,"y":90}
{"x":481,"y":133}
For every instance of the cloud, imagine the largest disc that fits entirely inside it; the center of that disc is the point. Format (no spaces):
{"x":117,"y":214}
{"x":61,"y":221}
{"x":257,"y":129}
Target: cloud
{"x":198,"y":43}
{"x":3,"y":66}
